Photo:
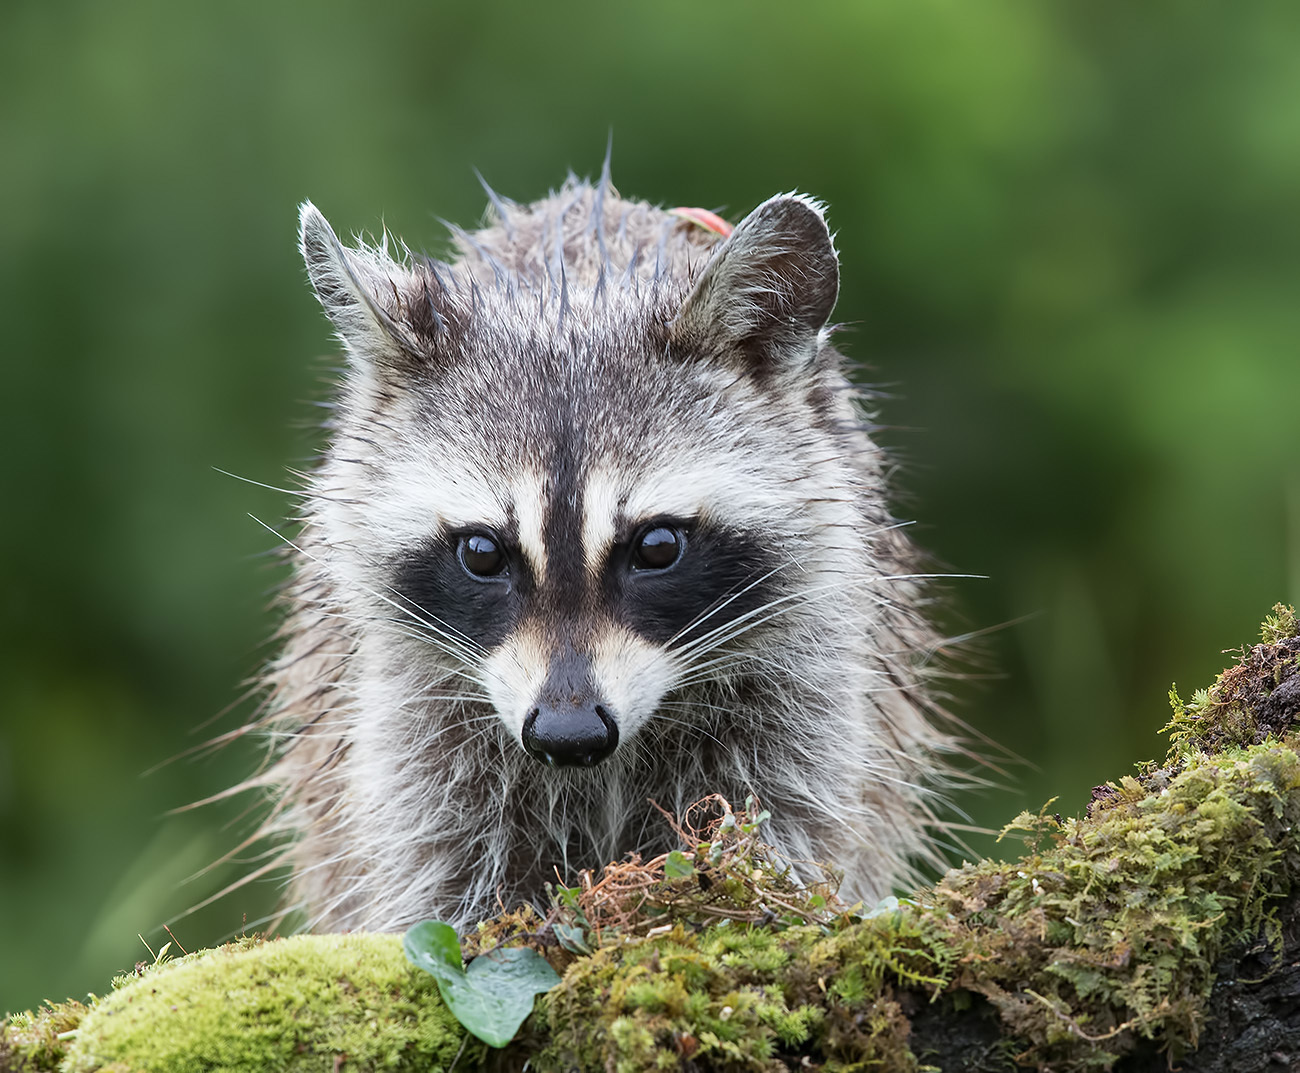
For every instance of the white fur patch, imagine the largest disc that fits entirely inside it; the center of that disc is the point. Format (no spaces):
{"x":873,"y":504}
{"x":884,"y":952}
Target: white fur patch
{"x":427,"y":490}
{"x":696,"y":484}
{"x":632,"y":675}
{"x":600,"y":506}
{"x":529,"y":492}
{"x":514,"y":674}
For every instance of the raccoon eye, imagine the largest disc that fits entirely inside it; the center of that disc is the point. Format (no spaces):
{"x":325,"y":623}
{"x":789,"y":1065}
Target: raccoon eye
{"x":481,"y":555}
{"x":657,"y":549}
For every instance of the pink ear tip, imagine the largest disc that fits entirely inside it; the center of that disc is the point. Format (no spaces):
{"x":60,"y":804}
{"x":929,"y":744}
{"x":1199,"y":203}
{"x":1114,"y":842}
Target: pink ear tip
{"x":710,"y":221}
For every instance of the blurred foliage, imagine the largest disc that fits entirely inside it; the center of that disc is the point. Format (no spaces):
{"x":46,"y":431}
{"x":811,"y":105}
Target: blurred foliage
{"x":1071,"y":250}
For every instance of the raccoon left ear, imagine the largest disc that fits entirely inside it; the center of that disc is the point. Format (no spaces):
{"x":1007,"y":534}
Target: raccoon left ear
{"x":347,"y":283}
{"x":385,"y":313}
{"x":769,"y":289}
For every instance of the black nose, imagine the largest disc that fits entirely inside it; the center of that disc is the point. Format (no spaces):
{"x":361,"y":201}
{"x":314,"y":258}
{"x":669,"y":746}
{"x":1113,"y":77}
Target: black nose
{"x":570,"y":735}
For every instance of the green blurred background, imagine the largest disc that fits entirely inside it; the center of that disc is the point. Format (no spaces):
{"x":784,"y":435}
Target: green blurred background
{"x":1071,"y":253}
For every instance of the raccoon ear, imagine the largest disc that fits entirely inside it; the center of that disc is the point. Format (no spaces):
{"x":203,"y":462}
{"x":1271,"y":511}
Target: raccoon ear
{"x":769,"y":289}
{"x":365,"y":294}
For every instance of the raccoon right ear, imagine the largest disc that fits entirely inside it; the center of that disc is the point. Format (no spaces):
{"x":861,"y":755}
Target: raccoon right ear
{"x":361,"y":292}
{"x":768,"y":290}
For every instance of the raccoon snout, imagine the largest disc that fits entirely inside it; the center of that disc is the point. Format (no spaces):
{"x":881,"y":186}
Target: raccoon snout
{"x":570,"y":734}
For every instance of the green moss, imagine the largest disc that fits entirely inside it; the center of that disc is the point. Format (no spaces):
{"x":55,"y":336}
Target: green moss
{"x":1280,"y":626}
{"x":1107,"y":935}
{"x":1258,"y":698}
{"x":293,"y":1004}
{"x":1113,"y":932}
{"x":1105,"y":932}
{"x":652,"y":1005}
{"x":741,"y":998}
{"x":37,"y":1042}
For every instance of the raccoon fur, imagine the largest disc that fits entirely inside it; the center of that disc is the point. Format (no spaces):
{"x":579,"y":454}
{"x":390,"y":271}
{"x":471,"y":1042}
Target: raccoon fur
{"x":600,"y":524}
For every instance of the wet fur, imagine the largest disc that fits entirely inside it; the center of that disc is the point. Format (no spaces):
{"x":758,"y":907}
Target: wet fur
{"x":588,"y":334}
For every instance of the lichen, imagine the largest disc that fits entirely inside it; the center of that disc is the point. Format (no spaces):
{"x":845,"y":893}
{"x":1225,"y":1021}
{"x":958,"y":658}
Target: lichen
{"x":292,"y":1004}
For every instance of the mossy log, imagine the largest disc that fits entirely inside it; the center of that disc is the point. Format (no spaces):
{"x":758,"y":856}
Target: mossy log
{"x":1160,"y":930}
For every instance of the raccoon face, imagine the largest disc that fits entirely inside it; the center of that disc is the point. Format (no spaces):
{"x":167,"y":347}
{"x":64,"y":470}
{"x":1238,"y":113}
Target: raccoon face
{"x":584,"y":507}
{"x":582,"y":640}
{"x":554,"y":626}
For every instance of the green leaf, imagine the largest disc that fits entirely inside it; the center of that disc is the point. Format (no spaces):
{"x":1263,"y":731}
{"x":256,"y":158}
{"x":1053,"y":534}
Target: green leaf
{"x":494,"y":995}
{"x":572,"y":938}
{"x":678,"y":865}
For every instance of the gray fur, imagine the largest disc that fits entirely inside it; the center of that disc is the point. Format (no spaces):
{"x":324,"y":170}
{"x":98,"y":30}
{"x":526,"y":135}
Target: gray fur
{"x":605,"y":343}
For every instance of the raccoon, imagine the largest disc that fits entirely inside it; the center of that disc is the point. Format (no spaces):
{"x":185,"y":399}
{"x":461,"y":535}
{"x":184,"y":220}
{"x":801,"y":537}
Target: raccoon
{"x":600,"y":524}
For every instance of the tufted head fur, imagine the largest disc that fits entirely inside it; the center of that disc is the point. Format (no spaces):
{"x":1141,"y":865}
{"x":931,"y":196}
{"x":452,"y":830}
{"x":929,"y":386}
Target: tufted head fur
{"x":599,"y":523}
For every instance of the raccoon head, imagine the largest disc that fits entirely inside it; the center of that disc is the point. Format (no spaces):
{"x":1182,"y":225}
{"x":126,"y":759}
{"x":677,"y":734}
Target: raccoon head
{"x":578,"y":495}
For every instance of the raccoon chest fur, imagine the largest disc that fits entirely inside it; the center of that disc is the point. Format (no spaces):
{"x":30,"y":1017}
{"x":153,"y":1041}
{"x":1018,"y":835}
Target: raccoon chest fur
{"x":600,"y":524}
